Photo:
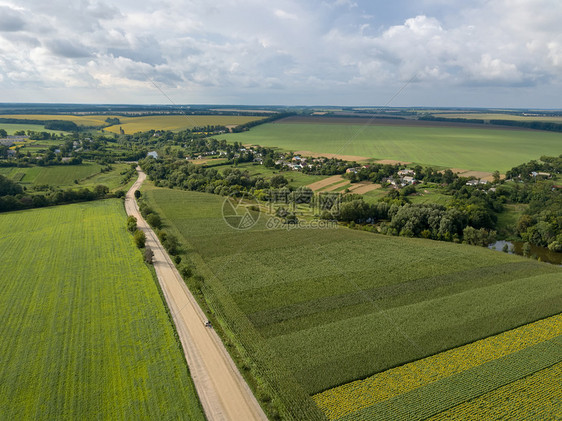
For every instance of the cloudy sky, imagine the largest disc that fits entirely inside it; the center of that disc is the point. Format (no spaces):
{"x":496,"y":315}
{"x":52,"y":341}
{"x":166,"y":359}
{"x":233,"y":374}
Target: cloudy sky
{"x":493,"y":53}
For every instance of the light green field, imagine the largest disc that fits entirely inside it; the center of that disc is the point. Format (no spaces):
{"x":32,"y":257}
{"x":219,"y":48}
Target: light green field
{"x":176,"y":122}
{"x":85,"y":334}
{"x":316,"y":308}
{"x":480,"y":149}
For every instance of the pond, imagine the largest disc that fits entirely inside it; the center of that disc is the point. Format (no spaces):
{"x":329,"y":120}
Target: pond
{"x":516,"y":247}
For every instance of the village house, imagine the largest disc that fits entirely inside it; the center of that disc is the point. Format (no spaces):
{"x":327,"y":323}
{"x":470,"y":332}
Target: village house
{"x":406,"y":172}
{"x":408,"y":180}
{"x":476,"y":182}
{"x":540,"y":174}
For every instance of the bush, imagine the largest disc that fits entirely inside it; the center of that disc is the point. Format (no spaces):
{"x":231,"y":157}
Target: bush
{"x":171,"y":244}
{"x":132,"y":223}
{"x":137,"y":194}
{"x":186,"y":271}
{"x":148,"y":255}
{"x":140,"y":238}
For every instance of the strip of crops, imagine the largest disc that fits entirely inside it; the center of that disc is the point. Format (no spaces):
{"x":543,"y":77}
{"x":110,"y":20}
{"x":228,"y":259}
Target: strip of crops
{"x":85,"y":334}
{"x":351,"y":397}
{"x":538,"y":396}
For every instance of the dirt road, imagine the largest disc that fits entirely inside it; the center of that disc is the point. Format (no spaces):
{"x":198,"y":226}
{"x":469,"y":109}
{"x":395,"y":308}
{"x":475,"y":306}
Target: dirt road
{"x":223,"y":392}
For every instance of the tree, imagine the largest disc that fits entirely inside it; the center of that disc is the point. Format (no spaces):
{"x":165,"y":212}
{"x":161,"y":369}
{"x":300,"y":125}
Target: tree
{"x":526,"y":249}
{"x":101,"y":190}
{"x":140,"y":238}
{"x":154,"y":220}
{"x":3,"y":133}
{"x":8,"y":187}
{"x":278,"y":181}
{"x":496,"y":176}
{"x":137,"y":194}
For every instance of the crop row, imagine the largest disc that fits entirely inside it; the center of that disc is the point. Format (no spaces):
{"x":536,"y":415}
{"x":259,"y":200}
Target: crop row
{"x":538,"y":396}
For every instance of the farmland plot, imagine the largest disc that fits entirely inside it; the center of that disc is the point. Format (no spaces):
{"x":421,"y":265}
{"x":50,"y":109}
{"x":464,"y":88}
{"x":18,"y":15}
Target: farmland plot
{"x":85,"y":334}
{"x":468,"y":147}
{"x":314,"y":309}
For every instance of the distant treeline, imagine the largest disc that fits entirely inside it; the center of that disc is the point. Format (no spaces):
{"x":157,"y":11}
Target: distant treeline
{"x":62,"y":125}
{"x":535,"y":125}
{"x":452,"y":120}
{"x":247,"y":126}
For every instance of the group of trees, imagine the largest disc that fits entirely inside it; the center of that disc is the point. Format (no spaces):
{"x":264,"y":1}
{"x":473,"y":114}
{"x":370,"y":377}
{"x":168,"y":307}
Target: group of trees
{"x":413,"y":220}
{"x":547,"y":164}
{"x":21,"y":200}
{"x":187,"y":176}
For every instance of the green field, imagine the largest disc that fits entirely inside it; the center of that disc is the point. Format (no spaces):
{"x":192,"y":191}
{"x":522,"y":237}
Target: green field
{"x":316,"y":308}
{"x":85,"y":334}
{"x":87,"y":174}
{"x":478,"y":148}
{"x":12,"y":128}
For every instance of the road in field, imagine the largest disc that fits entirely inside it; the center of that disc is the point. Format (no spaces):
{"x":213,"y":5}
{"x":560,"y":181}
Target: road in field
{"x":223,"y":392}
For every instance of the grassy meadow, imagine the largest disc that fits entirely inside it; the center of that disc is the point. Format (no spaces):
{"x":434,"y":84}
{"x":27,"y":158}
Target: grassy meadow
{"x":473,"y":148}
{"x":85,"y":333}
{"x":312,"y":309}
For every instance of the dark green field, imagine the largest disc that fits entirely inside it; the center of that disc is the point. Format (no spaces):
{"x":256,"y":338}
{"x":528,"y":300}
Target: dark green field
{"x":85,"y":333}
{"x":312,"y":309}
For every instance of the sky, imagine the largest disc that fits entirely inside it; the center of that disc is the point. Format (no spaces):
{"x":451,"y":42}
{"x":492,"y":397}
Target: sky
{"x":433,"y":53}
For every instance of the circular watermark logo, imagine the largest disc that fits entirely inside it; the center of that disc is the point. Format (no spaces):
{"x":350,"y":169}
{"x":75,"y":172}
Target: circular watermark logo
{"x":241,"y":211}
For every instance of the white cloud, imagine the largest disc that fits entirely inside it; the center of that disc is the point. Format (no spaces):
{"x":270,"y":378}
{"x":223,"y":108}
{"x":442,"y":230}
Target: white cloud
{"x":285,"y":15}
{"x":247,"y":51}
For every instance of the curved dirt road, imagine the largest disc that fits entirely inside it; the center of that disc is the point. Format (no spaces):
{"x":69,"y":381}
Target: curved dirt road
{"x":222,"y":391}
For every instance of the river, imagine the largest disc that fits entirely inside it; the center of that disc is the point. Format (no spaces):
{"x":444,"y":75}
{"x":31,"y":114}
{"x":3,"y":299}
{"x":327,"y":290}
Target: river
{"x":516,"y":247}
